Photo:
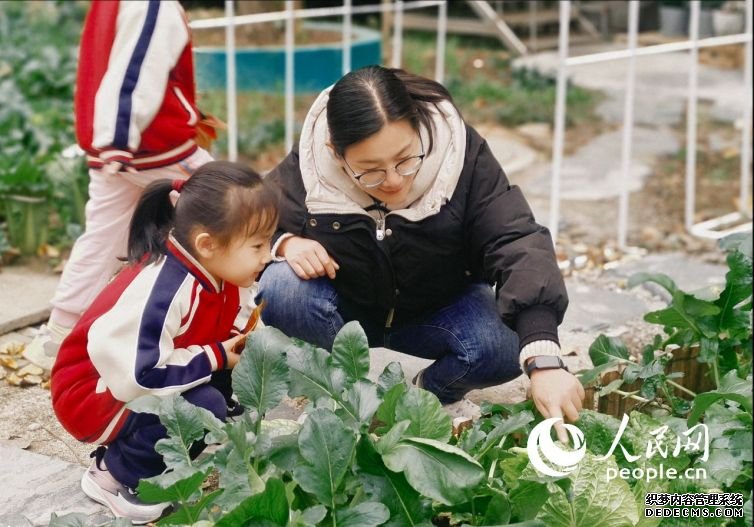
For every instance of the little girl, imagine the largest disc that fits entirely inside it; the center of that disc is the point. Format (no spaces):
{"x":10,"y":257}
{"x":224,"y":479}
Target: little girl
{"x":164,"y":324}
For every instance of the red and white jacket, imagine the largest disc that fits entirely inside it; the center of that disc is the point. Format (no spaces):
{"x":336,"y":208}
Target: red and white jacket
{"x":135,"y":93}
{"x":155,"y":329}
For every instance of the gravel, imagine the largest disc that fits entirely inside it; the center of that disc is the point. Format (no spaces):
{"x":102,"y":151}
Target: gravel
{"x":27,"y":421}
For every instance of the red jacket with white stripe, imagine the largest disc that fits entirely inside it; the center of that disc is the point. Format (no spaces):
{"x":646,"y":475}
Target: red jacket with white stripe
{"x":155,"y":329}
{"x":135,"y":94}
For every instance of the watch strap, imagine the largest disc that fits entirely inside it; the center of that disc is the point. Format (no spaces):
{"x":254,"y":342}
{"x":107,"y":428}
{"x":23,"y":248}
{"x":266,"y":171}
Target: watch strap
{"x":537,"y":348}
{"x":545,"y":363}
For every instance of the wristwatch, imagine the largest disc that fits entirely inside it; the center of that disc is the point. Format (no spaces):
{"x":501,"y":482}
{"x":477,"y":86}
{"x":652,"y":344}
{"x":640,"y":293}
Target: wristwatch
{"x":544,"y":362}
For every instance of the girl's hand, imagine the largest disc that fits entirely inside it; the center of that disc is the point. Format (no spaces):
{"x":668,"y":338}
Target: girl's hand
{"x":307,"y":258}
{"x":232,"y":360}
{"x":557,"y":393}
{"x":229,"y":347}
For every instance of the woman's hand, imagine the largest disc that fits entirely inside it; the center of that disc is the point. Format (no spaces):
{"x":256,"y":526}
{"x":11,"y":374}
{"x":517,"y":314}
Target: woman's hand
{"x":557,"y":393}
{"x":307,"y":258}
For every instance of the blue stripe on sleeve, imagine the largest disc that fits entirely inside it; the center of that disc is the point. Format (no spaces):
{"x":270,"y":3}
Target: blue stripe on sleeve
{"x":123,"y":119}
{"x":166,"y":286}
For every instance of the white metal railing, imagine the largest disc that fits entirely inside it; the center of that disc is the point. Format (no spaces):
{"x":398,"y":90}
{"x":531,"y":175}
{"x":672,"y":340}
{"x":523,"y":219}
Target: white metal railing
{"x":398,"y":7}
{"x":397,"y":35}
{"x":289,"y":15}
{"x":230,"y":82}
{"x":736,"y":221}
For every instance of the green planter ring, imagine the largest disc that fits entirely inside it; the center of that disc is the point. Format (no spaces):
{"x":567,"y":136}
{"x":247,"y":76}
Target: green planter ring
{"x":28,"y":222}
{"x":316,"y":66}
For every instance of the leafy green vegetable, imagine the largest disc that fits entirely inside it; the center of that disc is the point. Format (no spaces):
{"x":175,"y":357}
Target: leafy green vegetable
{"x":425,"y":413}
{"x":592,"y":500}
{"x":260,"y":380}
{"x":328,"y":447}
{"x":605,"y":349}
{"x":437,"y":470}
{"x":350,"y":351}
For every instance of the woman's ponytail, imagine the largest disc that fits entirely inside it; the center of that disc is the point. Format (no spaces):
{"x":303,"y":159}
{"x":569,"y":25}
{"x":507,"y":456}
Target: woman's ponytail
{"x":422,"y":89}
{"x":151,"y":222}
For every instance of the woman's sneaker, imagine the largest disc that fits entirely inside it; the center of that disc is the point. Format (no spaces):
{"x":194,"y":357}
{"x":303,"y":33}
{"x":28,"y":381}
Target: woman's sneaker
{"x":102,"y":487}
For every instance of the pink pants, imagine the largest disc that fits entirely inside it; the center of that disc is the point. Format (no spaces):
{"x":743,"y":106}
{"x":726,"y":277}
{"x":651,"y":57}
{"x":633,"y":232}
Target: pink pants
{"x":94,"y":258}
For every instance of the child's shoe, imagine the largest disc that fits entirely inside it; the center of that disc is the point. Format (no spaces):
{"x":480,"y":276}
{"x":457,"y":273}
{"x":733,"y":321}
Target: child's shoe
{"x":235,"y":409}
{"x":44,"y":348}
{"x":102,"y":487}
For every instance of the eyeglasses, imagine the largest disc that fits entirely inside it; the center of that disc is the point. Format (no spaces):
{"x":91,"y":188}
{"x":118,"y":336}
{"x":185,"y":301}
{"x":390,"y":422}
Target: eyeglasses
{"x":377,"y":176}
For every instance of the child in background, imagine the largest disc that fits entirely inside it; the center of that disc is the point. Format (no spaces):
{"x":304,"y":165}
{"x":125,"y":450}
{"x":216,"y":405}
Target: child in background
{"x":164,"y":324}
{"x":137,"y":121}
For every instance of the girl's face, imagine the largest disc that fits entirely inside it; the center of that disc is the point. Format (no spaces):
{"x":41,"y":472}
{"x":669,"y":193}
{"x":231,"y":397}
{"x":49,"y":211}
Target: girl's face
{"x":241,"y":261}
{"x":394,"y":143}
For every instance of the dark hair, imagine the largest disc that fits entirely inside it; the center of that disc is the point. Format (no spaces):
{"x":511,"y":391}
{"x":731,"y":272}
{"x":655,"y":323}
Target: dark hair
{"x":224,"y":198}
{"x":364,"y":100}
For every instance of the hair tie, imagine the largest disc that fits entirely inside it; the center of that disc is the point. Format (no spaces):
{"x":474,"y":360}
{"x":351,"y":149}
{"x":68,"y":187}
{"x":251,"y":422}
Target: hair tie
{"x":178,"y":185}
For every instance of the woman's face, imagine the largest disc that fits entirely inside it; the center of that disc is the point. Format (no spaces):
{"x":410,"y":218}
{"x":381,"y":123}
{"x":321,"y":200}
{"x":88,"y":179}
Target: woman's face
{"x":394,"y":143}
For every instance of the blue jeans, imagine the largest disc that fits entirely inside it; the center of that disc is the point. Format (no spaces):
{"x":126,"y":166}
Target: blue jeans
{"x":471,"y":346}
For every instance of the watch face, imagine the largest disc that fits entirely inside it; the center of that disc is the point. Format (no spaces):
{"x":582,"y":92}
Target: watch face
{"x":547,"y":361}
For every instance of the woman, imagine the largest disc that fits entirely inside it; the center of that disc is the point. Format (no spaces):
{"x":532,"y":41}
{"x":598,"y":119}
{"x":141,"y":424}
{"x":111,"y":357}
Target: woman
{"x":396,"y":214}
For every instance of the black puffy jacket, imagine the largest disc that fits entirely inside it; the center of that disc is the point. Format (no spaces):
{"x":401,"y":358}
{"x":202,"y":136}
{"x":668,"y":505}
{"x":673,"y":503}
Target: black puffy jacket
{"x":486,"y":232}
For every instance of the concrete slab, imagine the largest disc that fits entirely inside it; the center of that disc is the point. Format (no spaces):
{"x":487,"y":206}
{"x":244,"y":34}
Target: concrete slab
{"x":689,"y":274}
{"x":594,"y":171}
{"x":512,"y":154}
{"x":25,"y":297}
{"x":379,"y":358}
{"x":35,"y":486}
{"x":663,"y":110}
{"x":593,"y":309}
{"x":658,"y":78}
{"x":14,"y":520}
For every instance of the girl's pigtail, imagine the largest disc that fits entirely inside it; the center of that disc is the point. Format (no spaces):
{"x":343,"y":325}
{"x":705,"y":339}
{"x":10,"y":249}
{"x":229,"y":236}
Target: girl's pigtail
{"x":151,"y":223}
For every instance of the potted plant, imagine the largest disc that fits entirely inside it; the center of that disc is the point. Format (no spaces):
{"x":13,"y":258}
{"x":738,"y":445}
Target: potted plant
{"x":24,"y":193}
{"x":706,"y":17}
{"x":674,"y":18}
{"x":69,"y":180}
{"x":730,"y":18}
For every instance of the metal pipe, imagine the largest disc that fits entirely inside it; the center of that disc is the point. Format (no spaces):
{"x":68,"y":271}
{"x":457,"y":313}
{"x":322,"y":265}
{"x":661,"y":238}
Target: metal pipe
{"x":560,"y":108}
{"x":533,"y":25}
{"x":628,"y":123}
{"x":290,"y":78}
{"x":398,"y":35}
{"x":347,"y":11}
{"x":658,"y":49}
{"x":318,"y":12}
{"x":743,"y":198}
{"x":230,"y":73}
{"x":442,"y":28}
{"x":691,"y":117}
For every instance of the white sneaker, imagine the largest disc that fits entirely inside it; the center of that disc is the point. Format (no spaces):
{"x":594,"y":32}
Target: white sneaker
{"x":102,"y":487}
{"x":43,"y":350}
